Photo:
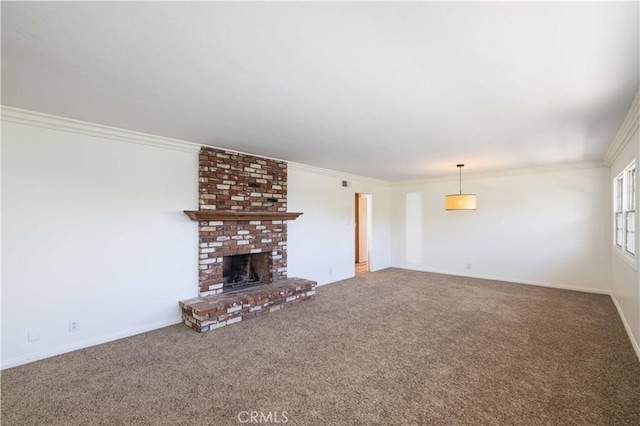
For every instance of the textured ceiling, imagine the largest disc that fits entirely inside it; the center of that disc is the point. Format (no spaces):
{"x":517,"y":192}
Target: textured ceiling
{"x":388,"y":90}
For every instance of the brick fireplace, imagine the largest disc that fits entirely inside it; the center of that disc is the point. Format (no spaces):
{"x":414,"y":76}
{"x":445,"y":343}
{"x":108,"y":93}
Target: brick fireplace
{"x":242,"y":224}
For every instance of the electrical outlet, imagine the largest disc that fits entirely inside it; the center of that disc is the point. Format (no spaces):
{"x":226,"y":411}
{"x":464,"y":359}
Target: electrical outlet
{"x":468,"y":266}
{"x":330,"y":271}
{"x":74,"y":325}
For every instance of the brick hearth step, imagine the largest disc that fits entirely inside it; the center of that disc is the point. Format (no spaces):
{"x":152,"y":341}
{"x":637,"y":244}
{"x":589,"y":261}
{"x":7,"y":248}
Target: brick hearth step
{"x":210,"y":312}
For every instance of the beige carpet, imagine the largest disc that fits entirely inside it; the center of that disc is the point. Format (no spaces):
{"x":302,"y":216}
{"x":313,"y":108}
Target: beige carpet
{"x":390,"y":347}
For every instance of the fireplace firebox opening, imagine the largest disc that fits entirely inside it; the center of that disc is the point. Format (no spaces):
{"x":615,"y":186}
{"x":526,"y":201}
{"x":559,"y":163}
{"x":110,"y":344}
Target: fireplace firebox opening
{"x":245,"y":270}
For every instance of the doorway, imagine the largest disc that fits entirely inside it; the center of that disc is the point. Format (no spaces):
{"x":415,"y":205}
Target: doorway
{"x":362,"y":232}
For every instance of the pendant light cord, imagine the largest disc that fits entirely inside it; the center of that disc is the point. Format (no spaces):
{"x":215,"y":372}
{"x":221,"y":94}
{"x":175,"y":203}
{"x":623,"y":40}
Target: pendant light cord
{"x":460,"y":166}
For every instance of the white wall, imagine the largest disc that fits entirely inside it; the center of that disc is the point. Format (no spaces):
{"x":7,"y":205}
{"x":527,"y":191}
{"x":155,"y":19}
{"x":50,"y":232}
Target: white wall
{"x":321,"y":242}
{"x":546,"y":226}
{"x":625,"y":281}
{"x":93,"y":230}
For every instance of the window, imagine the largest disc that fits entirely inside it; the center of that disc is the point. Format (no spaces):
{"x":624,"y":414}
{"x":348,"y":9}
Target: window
{"x":630,"y":210}
{"x":618,"y":210}
{"x":624,"y":207}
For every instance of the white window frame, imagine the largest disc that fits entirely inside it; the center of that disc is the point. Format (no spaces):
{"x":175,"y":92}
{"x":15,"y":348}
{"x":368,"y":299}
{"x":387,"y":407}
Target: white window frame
{"x":618,"y":211}
{"x":624,"y":211}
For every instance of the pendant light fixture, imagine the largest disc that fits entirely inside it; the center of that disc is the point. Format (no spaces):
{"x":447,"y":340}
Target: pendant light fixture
{"x":460,"y":201}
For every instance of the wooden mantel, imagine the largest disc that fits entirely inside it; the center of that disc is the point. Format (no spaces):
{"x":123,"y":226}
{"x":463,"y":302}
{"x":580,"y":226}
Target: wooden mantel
{"x":229,"y":215}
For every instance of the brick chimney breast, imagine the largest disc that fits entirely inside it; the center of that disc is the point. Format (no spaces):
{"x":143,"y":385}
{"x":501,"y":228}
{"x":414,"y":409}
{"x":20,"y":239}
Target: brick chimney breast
{"x":234,"y":182}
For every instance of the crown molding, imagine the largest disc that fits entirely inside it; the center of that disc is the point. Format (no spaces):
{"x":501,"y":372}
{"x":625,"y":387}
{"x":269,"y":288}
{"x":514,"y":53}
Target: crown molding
{"x":54,"y":122}
{"x":38,"y":119}
{"x":335,"y":173}
{"x":628,"y":128}
{"x":509,"y":172}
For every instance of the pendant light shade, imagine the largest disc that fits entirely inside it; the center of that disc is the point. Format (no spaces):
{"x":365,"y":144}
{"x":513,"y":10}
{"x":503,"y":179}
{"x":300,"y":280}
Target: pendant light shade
{"x":460,"y":201}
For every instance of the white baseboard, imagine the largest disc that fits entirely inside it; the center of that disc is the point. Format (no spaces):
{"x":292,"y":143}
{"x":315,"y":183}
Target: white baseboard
{"x":14,"y":362}
{"x":634,"y":343}
{"x":506,"y":279}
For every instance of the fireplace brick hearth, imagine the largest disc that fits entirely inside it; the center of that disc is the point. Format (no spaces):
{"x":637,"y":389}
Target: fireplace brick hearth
{"x":242,"y":211}
{"x":208,"y":313}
